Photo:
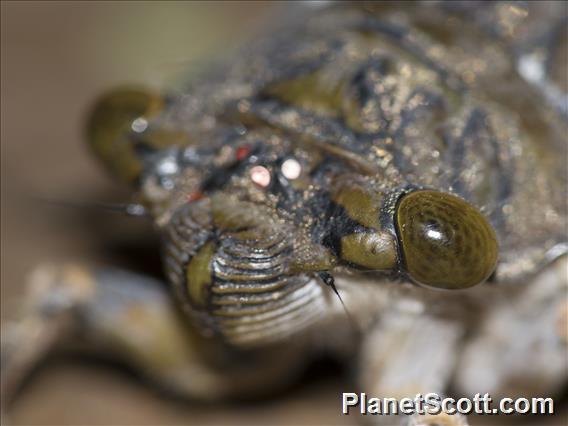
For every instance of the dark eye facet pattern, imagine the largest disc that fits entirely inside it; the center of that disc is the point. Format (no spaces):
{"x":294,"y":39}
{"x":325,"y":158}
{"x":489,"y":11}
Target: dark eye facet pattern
{"x":445,"y":242}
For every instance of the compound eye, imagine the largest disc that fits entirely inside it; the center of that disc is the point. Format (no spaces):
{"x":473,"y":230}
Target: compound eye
{"x":114,"y":118}
{"x":446,"y":242}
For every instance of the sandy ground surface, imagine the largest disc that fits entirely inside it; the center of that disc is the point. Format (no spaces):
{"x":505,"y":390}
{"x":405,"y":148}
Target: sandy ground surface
{"x":56,"y":57}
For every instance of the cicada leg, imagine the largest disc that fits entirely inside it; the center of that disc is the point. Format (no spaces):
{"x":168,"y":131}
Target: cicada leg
{"x":408,"y":353}
{"x":133,"y":319}
{"x":520,"y":348}
{"x":49,"y":317}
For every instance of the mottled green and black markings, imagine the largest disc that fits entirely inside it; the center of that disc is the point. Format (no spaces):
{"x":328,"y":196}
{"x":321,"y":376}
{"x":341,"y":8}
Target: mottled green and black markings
{"x":478,"y":146}
{"x":352,"y":226}
{"x":446,"y":242}
{"x":354,"y":231}
{"x":368,"y":101}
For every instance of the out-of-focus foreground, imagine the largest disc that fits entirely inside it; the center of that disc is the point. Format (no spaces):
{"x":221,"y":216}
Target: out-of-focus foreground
{"x":56,"y":58}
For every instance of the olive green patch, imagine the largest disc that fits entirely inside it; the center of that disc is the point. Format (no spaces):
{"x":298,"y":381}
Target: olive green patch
{"x":198,"y":275}
{"x":310,"y":92}
{"x":314,"y":92}
{"x":372,"y":250}
{"x":360,"y":206}
{"x":232,"y":214}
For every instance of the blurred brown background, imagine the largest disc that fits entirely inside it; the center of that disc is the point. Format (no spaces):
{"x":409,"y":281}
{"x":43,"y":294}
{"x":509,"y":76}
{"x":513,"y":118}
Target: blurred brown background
{"x":56,"y":58}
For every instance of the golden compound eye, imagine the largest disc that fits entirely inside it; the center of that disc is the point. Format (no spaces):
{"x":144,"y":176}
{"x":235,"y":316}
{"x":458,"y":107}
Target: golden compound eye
{"x":446,"y":242}
{"x":115,"y":116}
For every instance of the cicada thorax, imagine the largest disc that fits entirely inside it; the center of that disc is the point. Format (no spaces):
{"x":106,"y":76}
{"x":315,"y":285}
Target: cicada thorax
{"x":232,"y":267}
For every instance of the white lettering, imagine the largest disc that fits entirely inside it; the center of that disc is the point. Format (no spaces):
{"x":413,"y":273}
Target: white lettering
{"x":350,"y":399}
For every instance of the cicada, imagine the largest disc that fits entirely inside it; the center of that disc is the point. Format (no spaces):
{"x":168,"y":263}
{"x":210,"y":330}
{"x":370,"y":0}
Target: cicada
{"x":382,"y":182}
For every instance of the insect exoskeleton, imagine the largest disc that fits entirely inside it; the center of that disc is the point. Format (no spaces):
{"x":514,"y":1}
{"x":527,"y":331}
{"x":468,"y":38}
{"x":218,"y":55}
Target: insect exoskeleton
{"x":121,"y":134}
{"x":445,"y":241}
{"x":436,"y":238}
{"x":233,"y":272}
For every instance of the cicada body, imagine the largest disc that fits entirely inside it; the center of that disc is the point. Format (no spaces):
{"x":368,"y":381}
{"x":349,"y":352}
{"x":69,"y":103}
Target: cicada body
{"x":380,"y":181}
{"x":411,"y":160}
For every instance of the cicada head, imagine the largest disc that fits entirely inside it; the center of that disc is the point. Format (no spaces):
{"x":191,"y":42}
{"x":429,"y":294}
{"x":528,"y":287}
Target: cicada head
{"x":435,"y":238}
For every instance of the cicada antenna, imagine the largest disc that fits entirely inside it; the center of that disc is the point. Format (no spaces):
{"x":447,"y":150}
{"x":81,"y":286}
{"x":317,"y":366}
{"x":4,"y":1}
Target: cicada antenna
{"x":129,"y":209}
{"x":329,"y":281}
